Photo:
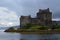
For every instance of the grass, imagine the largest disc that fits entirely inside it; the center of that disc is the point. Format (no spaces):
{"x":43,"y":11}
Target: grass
{"x":36,"y":29}
{"x":24,"y":31}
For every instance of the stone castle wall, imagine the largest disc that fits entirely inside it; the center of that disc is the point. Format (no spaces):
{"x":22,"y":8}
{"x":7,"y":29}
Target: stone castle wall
{"x":43,"y":17}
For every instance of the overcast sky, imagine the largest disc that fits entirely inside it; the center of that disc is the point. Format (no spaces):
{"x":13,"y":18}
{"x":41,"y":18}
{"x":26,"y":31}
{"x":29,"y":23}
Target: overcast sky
{"x":11,"y":10}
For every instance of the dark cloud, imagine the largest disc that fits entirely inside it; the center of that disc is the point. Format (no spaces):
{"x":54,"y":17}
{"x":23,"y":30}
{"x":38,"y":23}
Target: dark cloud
{"x":26,"y":7}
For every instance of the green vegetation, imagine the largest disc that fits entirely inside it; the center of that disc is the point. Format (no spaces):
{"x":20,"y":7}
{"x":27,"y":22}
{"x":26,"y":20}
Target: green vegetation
{"x":27,"y":26}
{"x":55,"y":27}
{"x":11,"y":29}
{"x":36,"y":28}
{"x":41,"y":27}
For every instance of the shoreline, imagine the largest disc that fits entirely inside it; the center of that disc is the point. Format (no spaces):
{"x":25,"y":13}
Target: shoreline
{"x":37,"y":31}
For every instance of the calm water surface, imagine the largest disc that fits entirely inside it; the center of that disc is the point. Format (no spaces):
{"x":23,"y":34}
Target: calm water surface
{"x":18,"y":36}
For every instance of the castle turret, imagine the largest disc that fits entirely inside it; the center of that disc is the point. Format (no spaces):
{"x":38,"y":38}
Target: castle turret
{"x":45,"y":16}
{"x":24,"y":20}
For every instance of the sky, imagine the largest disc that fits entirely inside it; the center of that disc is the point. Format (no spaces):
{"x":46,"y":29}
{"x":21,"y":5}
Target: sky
{"x":11,"y":10}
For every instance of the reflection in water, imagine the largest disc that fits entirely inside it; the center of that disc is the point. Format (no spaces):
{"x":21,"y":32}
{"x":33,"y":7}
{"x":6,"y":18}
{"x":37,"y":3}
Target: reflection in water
{"x":18,"y":36}
{"x":9,"y":36}
{"x":40,"y":36}
{"x":49,"y":39}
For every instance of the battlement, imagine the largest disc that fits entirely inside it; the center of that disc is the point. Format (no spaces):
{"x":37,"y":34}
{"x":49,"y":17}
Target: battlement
{"x":25,"y":17}
{"x":44,"y":10}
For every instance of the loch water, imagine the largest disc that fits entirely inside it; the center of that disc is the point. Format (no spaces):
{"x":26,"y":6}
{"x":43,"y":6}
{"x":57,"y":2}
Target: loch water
{"x":19,"y":36}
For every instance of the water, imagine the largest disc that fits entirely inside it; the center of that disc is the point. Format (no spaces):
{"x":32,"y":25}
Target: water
{"x":9,"y":36}
{"x":40,"y":36}
{"x":18,"y":36}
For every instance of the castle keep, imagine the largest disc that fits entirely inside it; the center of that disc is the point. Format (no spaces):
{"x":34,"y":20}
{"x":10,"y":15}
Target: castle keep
{"x":44,"y":17}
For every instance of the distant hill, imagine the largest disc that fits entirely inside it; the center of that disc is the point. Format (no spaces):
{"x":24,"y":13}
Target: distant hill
{"x":4,"y":28}
{"x":15,"y":26}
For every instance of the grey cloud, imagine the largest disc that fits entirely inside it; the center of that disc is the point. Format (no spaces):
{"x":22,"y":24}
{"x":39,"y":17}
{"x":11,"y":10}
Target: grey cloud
{"x":31,"y":6}
{"x":26,"y":7}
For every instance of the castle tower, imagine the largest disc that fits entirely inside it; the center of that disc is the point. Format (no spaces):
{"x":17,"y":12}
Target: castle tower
{"x":45,"y":16}
{"x":24,"y":20}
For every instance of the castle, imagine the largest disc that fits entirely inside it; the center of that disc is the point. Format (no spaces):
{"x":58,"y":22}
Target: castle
{"x":43,"y":17}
